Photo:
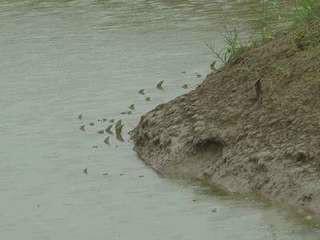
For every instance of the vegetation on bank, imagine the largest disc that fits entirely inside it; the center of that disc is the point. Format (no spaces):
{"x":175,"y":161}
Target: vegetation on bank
{"x":303,"y":12}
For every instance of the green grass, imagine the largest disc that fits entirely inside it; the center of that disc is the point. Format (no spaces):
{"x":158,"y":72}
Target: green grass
{"x":306,"y":10}
{"x":233,"y":47}
{"x":302,"y":12}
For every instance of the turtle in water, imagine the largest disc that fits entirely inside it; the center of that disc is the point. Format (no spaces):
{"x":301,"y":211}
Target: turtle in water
{"x":95,"y":146}
{"x":82,"y":127}
{"x":91,"y":124}
{"x":131,"y":107}
{"x":100,"y":132}
{"x":159,"y":85}
{"x":198,"y":75}
{"x":85,"y":171}
{"x":104,"y":119}
{"x":111,"y":121}
{"x":141,"y":91}
{"x":118,"y":128}
{"x":108,"y":129}
{"x":80,"y":117}
{"x":183,"y":72}
{"x":107,"y":140}
{"x":185,"y":86}
{"x":148,"y":99}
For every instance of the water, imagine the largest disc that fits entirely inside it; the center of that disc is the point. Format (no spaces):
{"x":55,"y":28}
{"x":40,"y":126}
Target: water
{"x":62,"y":58}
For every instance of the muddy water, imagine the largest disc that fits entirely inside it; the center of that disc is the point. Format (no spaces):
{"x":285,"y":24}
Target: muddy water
{"x":62,"y":58}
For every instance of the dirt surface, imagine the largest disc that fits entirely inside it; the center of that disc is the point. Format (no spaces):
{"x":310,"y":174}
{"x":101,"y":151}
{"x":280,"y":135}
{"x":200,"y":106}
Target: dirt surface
{"x":251,"y":127}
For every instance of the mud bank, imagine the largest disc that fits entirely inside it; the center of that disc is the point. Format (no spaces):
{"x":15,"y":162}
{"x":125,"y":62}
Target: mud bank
{"x":251,"y":127}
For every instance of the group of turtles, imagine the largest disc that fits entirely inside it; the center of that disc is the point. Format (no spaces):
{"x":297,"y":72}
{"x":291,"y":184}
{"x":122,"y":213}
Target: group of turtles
{"x":118,"y":125}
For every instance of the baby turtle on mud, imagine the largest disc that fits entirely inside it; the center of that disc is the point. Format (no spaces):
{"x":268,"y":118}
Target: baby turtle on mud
{"x":82,"y":128}
{"x":108,"y":129}
{"x":100,"y":132}
{"x":159,"y":85}
{"x":80,"y":117}
{"x":85,"y":171}
{"x":118,"y":129}
{"x":141,"y":91}
{"x":95,"y":146}
{"x":213,"y":66}
{"x":148,"y":99}
{"x":198,"y":75}
{"x":185,"y":86}
{"x":91,"y":124}
{"x":111,"y":121}
{"x":105,"y":174}
{"x":132,"y":107}
{"x":183,"y":72}
{"x":104,"y":119}
{"x":107,"y":140}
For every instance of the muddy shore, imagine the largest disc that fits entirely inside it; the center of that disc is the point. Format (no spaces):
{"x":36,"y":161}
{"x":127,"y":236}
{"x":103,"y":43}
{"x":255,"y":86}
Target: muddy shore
{"x":251,"y":127}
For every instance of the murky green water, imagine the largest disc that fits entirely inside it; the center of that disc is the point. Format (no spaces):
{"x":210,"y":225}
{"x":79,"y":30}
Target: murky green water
{"x":62,"y":58}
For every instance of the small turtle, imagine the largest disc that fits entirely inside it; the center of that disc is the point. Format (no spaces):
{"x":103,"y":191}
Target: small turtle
{"x":141,"y":91}
{"x":148,"y":99}
{"x":100,"y":132}
{"x":85,"y":171}
{"x":132,"y":107}
{"x":91,"y":124}
{"x":95,"y":146}
{"x":105,"y":174}
{"x":213,"y":66}
{"x":111,"y":121}
{"x":183,"y":72}
{"x":107,"y":140}
{"x":82,"y":128}
{"x":108,"y":129}
{"x":118,"y":128}
{"x":141,"y":176}
{"x":80,"y":117}
{"x":185,"y":86}
{"x":104,"y":119}
{"x":159,"y":85}
{"x":198,"y":75}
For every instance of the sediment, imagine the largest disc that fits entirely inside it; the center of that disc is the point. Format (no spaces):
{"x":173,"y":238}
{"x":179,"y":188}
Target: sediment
{"x":251,"y":127}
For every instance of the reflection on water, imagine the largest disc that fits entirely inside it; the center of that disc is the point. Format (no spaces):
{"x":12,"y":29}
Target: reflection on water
{"x":60,"y":59}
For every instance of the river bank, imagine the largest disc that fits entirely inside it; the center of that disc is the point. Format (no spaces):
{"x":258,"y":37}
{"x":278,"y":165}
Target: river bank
{"x":251,"y":127}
